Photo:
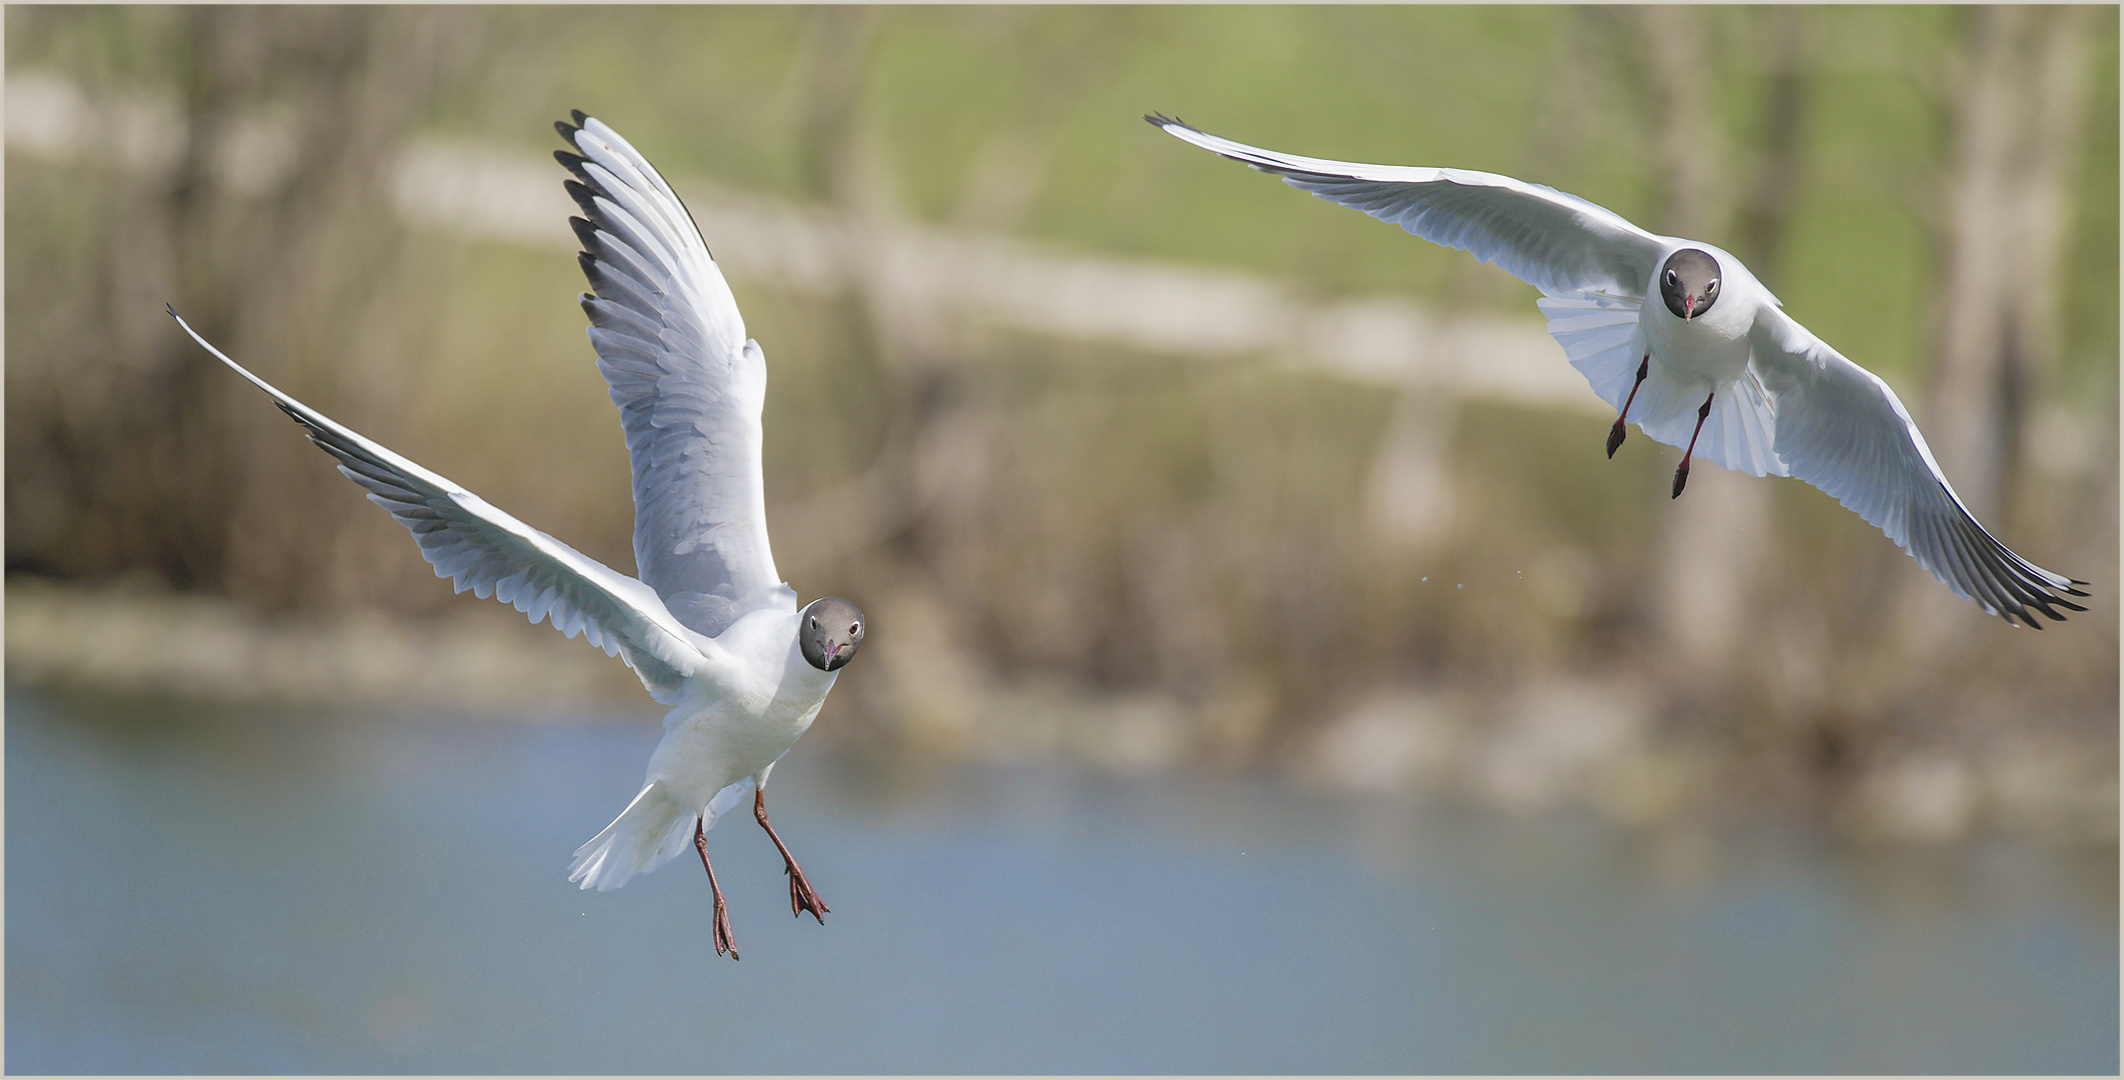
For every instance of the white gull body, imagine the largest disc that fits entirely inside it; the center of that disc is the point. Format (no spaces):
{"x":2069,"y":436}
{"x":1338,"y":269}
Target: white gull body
{"x":710,"y":627}
{"x":1775,"y":400}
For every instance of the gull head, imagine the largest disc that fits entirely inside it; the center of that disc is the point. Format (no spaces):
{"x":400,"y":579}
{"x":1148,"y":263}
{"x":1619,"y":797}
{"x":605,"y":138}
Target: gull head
{"x":829,"y":631}
{"x":1689,"y":283}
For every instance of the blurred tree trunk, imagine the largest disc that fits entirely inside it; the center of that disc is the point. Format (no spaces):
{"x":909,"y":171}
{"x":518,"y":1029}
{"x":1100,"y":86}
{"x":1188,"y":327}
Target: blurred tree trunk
{"x":2018,"y":107}
{"x":1773,"y":174}
{"x":357,"y":81}
{"x":1715,"y":535}
{"x":272,"y":231}
{"x":2018,"y":95}
{"x":893,"y":333}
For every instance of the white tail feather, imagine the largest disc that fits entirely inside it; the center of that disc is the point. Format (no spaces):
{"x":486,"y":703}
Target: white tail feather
{"x":652,"y":829}
{"x":1599,"y":336}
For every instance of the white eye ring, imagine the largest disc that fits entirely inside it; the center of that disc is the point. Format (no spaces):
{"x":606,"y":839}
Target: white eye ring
{"x":855,"y":628}
{"x":814,"y":622}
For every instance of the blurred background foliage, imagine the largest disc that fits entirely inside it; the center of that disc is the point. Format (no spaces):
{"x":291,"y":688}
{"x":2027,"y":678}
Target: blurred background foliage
{"x":1075,"y":543}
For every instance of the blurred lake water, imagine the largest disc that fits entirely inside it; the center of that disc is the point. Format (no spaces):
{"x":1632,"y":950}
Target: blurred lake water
{"x":196,"y":888}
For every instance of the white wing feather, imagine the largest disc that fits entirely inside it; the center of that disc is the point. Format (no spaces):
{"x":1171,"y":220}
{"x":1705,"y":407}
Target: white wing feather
{"x":1558,"y":243}
{"x":689,"y":386}
{"x":491,"y":553}
{"x":1840,"y":428}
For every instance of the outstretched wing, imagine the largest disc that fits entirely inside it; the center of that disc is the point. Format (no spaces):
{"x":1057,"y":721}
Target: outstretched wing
{"x":491,"y":553}
{"x":1840,"y":428}
{"x":688,"y":383}
{"x":1558,"y":243}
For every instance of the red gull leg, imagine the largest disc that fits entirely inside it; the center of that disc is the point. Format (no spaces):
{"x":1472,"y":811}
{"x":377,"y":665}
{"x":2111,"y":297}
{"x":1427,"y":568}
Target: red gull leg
{"x":1615,"y":434}
{"x":723,"y":943}
{"x":1681,"y":475}
{"x":801,"y":897}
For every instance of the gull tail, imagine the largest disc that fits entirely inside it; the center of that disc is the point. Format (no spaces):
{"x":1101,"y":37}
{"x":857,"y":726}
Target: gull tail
{"x":1599,"y":336}
{"x":652,"y":829}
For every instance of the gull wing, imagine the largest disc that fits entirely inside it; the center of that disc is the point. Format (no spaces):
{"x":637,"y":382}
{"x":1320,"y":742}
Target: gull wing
{"x":1840,"y":428}
{"x":688,"y":383}
{"x":491,"y":553}
{"x":1558,"y":243}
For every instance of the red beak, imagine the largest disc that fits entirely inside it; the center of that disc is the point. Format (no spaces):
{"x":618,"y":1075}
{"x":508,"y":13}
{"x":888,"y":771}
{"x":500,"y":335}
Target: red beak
{"x":1688,"y":307}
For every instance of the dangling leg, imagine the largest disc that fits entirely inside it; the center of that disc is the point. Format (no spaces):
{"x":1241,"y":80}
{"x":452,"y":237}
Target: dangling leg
{"x":1615,"y":434}
{"x":1681,"y":475}
{"x":801,"y":898}
{"x":723,"y":943}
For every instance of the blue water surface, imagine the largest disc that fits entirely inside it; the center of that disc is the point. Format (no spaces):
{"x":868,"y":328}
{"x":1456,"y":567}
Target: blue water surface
{"x":205,"y":889}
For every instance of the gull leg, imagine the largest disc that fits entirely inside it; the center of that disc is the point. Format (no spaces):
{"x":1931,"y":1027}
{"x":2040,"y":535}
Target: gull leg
{"x":801,"y":896}
{"x":1681,"y":475}
{"x":1615,"y":434}
{"x":723,"y":943}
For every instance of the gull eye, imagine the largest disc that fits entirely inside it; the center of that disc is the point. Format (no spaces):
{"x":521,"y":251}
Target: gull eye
{"x":1672,"y":277}
{"x":814,"y":622}
{"x":855,"y":628}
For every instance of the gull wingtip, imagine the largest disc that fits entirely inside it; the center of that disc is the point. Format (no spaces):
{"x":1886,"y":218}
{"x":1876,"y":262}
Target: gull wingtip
{"x":577,"y":120}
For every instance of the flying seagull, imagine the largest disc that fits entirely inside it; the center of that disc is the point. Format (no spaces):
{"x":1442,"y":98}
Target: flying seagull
{"x":711,"y":628}
{"x":1715,"y":365}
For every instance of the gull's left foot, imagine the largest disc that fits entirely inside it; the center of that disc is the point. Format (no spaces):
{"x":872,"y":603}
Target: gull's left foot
{"x":802,"y":897}
{"x":724,"y":943}
{"x":1681,"y":475}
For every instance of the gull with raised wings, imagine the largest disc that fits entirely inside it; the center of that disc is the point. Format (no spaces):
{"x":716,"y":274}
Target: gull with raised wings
{"x":710,"y":627}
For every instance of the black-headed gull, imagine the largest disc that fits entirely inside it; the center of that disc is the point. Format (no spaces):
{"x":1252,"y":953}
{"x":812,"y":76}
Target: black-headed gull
{"x":711,"y":628}
{"x":1715,"y":365}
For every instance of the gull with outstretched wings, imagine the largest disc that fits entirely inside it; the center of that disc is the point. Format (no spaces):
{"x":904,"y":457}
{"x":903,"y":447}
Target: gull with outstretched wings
{"x":710,"y":627}
{"x":1714,"y":365}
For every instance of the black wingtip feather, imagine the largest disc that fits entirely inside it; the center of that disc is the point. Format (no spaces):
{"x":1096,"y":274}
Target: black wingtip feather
{"x":585,"y":231}
{"x":584,"y":195}
{"x":578,"y":166}
{"x":579,"y":116}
